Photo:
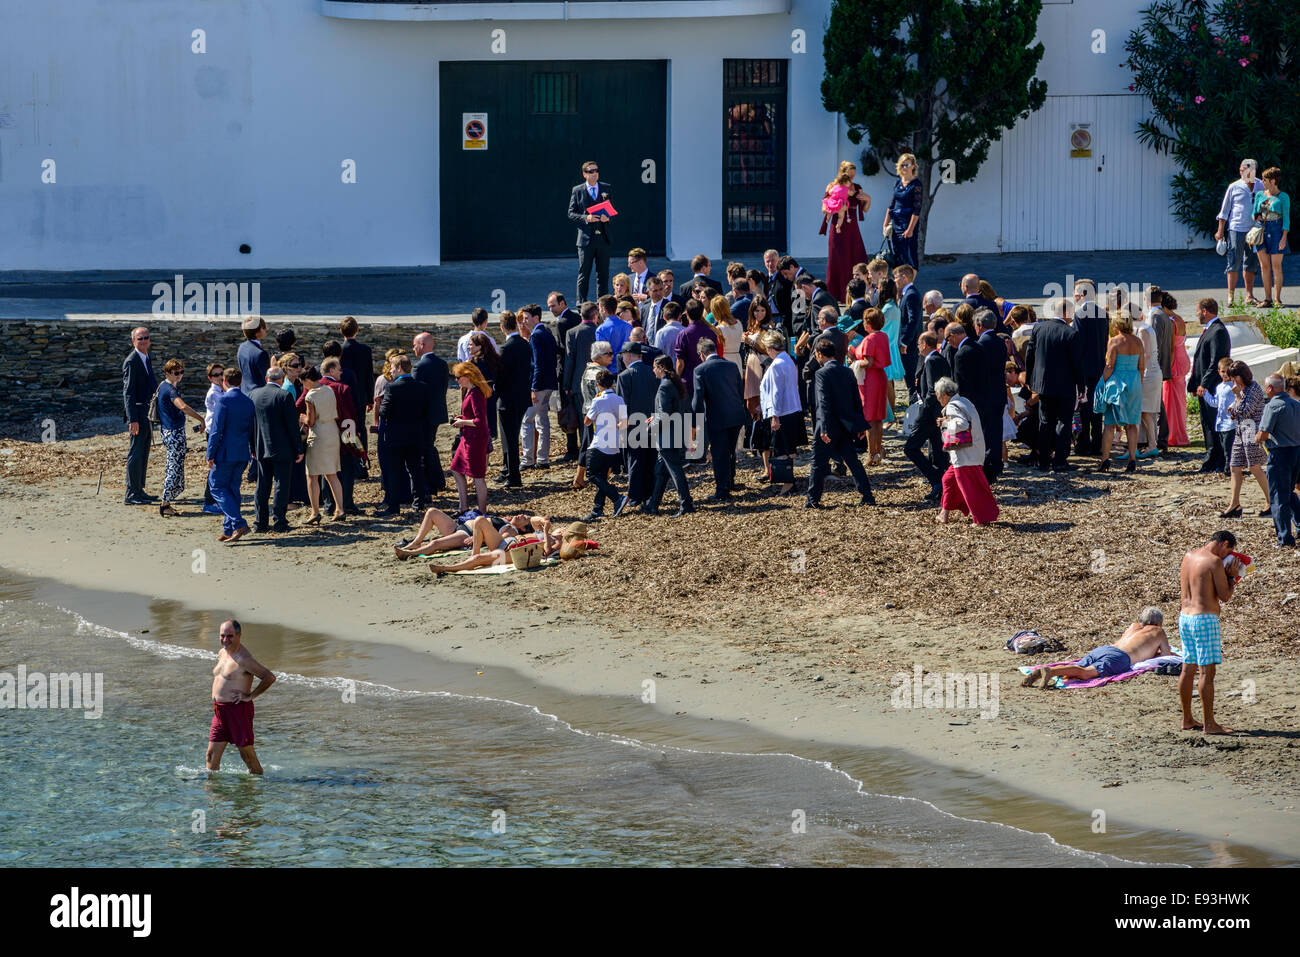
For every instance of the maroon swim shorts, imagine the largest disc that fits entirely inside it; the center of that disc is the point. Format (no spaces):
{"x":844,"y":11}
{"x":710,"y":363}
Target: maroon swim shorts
{"x":233,"y":723}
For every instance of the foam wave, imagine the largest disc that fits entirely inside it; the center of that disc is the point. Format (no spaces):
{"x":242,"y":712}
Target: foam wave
{"x":376,"y":689}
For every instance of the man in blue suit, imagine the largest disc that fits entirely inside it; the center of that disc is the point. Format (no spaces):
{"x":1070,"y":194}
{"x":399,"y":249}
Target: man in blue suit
{"x":910,"y":328}
{"x":230,"y":449}
{"x":720,"y":395}
{"x":138,"y":387}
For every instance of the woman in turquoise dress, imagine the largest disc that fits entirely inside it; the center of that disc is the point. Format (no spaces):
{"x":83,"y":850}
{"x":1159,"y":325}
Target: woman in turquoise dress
{"x":1119,"y":397}
{"x":893,"y":314}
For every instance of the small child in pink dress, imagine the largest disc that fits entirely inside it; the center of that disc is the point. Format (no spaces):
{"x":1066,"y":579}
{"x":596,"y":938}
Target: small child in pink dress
{"x":836,"y":202}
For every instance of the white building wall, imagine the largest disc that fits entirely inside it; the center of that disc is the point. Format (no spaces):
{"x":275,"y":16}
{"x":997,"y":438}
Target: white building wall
{"x":170,"y":159}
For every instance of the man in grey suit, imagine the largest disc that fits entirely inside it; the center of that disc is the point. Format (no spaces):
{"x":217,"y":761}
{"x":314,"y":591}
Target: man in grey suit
{"x":637,"y":384}
{"x":593,"y":230}
{"x":277,"y":447}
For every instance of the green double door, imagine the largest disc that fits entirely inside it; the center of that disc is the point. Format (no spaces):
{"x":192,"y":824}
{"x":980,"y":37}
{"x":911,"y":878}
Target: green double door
{"x":506,"y":176}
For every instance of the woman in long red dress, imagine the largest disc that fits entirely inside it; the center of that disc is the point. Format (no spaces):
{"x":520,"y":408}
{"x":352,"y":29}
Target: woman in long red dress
{"x":844,"y":248}
{"x":1175,"y":388}
{"x":469,"y":461}
{"x":870,"y":360}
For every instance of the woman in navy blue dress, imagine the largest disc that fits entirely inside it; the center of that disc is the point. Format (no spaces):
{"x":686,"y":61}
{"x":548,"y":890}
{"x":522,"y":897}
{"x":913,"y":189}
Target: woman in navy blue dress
{"x":904,"y":213}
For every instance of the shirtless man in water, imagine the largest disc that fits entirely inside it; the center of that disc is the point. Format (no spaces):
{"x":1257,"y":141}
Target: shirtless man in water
{"x":1143,"y":639}
{"x":1205,"y":583}
{"x":232,"y":699}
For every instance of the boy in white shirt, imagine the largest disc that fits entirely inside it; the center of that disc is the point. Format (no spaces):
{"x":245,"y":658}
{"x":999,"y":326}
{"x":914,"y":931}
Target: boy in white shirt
{"x":607,"y":417}
{"x":1225,"y":430}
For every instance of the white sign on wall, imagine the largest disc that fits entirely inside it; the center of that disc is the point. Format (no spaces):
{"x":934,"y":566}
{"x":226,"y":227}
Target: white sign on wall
{"x":474,"y":127}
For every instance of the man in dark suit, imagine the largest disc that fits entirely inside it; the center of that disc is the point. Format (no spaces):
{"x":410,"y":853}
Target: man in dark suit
{"x":360,"y":361}
{"x":1093,"y":326}
{"x":405,"y":413}
{"x":827,"y":328}
{"x":514,"y":396}
{"x":909,"y":328}
{"x":993,"y":348}
{"x":565,"y":320}
{"x":970,"y":290}
{"x":700,"y":267}
{"x":933,"y":368}
{"x":720,"y":396}
{"x":138,"y":388}
{"x":577,"y":353}
{"x":593,"y":230}
{"x":1213,"y":345}
{"x":230,"y":448}
{"x":781,"y":295}
{"x":652,"y":309}
{"x":277,"y":446}
{"x":969,"y":366}
{"x":253,"y":359}
{"x":638,"y":384}
{"x":1054,"y":373}
{"x":429,"y":371}
{"x":837,"y":423}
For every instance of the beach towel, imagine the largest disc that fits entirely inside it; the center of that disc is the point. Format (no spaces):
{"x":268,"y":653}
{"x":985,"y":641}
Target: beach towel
{"x":508,"y":567}
{"x":1074,"y":684}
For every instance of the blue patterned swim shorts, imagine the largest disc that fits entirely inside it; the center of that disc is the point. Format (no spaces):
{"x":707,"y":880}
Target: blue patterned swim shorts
{"x":1202,"y":644}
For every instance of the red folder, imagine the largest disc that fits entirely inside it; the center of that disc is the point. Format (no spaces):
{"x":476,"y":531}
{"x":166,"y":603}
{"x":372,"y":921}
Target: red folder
{"x":606,"y":207}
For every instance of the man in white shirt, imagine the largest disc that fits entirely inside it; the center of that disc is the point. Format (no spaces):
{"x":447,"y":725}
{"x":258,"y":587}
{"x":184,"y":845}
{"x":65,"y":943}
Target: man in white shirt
{"x":1236,"y":217}
{"x":607,"y":418}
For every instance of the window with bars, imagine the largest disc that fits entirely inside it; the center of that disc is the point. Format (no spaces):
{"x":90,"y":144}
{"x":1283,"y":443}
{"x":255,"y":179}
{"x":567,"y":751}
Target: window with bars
{"x":554,"y":92}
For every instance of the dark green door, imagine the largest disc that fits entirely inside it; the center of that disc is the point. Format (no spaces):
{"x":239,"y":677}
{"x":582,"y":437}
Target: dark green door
{"x":544,"y":119}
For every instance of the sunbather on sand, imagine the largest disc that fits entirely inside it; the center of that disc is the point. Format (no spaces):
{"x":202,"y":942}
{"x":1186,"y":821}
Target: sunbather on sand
{"x":1143,"y":639}
{"x":453,"y":534}
{"x":492,"y":538}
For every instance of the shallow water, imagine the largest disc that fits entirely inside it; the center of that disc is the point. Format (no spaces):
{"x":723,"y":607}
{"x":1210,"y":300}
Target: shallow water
{"x":408,"y":775}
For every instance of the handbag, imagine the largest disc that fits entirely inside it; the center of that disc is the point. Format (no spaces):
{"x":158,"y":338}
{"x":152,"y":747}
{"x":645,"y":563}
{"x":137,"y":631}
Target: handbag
{"x":782,"y":471}
{"x":1255,"y":236}
{"x":154,"y":418}
{"x":956,"y":440}
{"x":887,"y":251}
{"x":911,"y":419}
{"x":567,"y":418}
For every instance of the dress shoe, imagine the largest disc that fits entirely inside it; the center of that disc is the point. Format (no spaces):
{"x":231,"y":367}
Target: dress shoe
{"x":684,"y":510}
{"x":223,"y":537}
{"x":716,"y":497}
{"x":593,"y":516}
{"x":935,"y":494}
{"x":148,"y":498}
{"x":1206,"y":468}
{"x":1027,"y":459}
{"x":281,"y":527}
{"x":649,"y":510}
{"x":261,"y":529}
{"x":867,"y":499}
{"x":137,"y":501}
{"x":387,"y":511}
{"x":238,"y":534}
{"x":1065,"y":467}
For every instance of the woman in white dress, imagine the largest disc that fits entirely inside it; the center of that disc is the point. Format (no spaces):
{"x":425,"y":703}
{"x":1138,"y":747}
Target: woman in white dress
{"x":1152,"y":386}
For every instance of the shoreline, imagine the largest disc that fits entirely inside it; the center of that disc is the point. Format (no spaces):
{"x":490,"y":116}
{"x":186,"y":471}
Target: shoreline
{"x":552,"y":652}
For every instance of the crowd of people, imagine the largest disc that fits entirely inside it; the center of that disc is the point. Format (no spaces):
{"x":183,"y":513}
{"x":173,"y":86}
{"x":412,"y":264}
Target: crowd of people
{"x":647,"y":382}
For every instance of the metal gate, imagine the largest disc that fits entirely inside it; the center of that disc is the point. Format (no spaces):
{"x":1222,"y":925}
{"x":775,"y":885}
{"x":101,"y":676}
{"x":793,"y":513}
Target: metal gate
{"x":1075,"y":177}
{"x":508,"y":198}
{"x":753,"y":155}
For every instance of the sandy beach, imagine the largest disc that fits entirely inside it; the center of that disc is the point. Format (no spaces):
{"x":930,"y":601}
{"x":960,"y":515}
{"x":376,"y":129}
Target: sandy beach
{"x":796,"y":623}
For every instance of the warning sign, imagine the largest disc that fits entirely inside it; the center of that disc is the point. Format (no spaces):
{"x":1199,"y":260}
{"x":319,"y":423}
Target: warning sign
{"x":474,"y":126}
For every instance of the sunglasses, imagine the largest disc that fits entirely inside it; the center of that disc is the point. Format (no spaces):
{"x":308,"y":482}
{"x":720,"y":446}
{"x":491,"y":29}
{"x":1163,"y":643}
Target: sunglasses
{"x":591,"y":170}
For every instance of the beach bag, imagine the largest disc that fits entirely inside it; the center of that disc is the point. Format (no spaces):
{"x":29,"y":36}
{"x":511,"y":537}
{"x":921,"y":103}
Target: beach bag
{"x":1255,"y":236}
{"x":1030,"y":642}
{"x":525,"y":555}
{"x":1170,"y":668}
{"x":911,"y":419}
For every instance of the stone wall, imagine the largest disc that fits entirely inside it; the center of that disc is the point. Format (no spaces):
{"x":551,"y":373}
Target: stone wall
{"x":70,"y":371}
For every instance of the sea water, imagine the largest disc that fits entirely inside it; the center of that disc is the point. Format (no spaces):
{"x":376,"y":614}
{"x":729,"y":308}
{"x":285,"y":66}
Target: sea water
{"x":365,"y":772}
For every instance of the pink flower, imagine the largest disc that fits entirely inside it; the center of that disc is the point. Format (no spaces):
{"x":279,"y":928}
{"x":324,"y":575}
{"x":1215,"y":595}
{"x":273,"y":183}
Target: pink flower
{"x":1218,"y":39}
{"x":1131,"y":87}
{"x":1245,"y":38}
{"x":1244,"y":62}
{"x":1200,"y":99}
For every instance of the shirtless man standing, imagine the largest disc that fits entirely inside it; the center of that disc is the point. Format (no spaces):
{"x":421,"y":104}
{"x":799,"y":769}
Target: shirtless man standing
{"x":1205,"y":583}
{"x":232,"y":699}
{"x":1143,"y":639}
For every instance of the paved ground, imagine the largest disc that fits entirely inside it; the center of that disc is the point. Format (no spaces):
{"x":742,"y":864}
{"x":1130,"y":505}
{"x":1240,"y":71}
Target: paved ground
{"x":447,"y":293}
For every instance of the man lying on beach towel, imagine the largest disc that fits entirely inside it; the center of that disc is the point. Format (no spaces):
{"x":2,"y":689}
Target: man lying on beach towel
{"x":1143,"y":639}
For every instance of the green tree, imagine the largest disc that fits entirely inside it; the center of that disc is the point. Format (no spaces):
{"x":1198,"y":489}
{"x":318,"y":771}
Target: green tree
{"x":938,"y":78}
{"x":1224,"y":83}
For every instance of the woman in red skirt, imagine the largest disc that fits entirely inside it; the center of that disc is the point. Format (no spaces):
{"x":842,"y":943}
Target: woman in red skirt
{"x":469,"y":461}
{"x":965,"y":487}
{"x":844,"y":246}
